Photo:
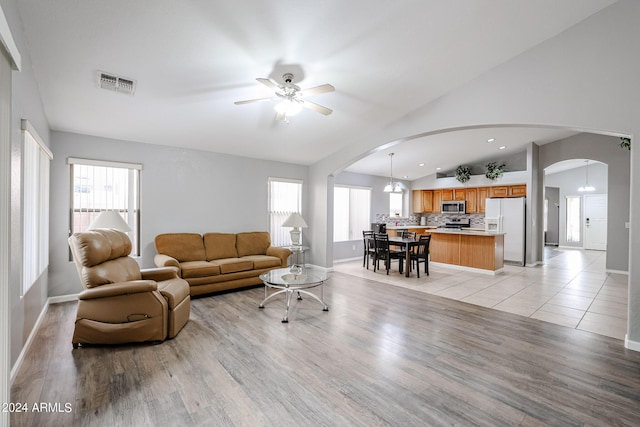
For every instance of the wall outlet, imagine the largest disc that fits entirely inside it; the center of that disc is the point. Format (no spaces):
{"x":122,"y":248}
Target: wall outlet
{"x":626,"y":225}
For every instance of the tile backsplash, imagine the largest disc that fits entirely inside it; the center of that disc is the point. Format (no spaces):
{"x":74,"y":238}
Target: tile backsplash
{"x":475,"y":220}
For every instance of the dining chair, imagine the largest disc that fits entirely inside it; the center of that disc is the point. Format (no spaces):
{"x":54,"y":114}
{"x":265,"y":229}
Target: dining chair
{"x":408,"y":234}
{"x":369,"y":249}
{"x":384,"y":252}
{"x":420,"y":253}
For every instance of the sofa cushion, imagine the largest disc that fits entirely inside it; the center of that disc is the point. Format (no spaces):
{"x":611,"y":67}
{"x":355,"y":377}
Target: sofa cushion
{"x":182,"y":246}
{"x":220,"y":245}
{"x":198,"y":269}
{"x":232,"y":265}
{"x":263,"y":261}
{"x":252,"y":243}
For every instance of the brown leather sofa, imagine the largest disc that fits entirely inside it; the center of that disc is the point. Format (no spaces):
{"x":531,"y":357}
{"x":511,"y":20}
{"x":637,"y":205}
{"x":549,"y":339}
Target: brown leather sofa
{"x":216,"y":262}
{"x":121,"y":303}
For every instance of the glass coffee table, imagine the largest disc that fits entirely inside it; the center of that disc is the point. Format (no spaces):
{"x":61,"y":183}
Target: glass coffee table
{"x":294,"y":279}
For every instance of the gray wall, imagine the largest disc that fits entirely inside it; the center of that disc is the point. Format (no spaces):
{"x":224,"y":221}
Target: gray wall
{"x":568,"y":182}
{"x":180,"y":191}
{"x":552,"y":236}
{"x":604,"y":149}
{"x":379,"y":205}
{"x":25,"y":104}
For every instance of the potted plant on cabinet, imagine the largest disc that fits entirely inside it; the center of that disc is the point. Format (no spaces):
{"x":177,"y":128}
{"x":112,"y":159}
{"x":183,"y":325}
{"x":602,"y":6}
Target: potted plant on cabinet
{"x":494,"y":170}
{"x":463,"y":173}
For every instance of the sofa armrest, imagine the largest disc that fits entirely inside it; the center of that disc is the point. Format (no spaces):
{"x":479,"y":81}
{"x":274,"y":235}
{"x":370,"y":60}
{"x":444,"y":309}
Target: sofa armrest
{"x":116,"y":289}
{"x":160,"y":274}
{"x":282,"y":253}
{"x":162,"y":260}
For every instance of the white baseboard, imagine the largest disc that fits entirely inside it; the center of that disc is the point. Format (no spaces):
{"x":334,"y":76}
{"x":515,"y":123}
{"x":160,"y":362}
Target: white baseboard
{"x":626,"y":273}
{"x":27,"y":344}
{"x":34,"y":330}
{"x":339,"y":261}
{"x":631,"y":345}
{"x":63,"y":298}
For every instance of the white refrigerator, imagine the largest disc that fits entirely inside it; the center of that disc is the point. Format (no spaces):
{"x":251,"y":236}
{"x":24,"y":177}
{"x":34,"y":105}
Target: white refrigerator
{"x":510,"y":215}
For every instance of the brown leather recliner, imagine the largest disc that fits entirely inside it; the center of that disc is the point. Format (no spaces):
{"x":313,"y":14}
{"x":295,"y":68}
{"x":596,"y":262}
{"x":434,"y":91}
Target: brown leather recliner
{"x":121,"y":303}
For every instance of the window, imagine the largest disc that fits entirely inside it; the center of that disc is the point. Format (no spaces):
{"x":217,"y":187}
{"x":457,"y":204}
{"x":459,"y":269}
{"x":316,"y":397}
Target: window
{"x":35,"y":206}
{"x":573,"y":218}
{"x":395,"y":204}
{"x":351,"y":212}
{"x":98,"y":186}
{"x":285,"y":198}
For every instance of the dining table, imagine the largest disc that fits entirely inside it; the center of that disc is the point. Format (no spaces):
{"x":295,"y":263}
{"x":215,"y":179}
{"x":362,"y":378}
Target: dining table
{"x":405,"y":243}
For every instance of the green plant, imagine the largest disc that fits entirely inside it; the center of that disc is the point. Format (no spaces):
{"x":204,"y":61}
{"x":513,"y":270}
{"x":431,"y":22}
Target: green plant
{"x":463,"y":173}
{"x":625,"y":143}
{"x":494,"y":170}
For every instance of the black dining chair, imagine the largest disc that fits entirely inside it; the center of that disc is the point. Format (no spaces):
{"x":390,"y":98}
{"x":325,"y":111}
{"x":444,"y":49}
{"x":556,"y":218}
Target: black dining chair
{"x":384,"y":252}
{"x":369,"y":249}
{"x":420,"y":253}
{"x":408,"y":234}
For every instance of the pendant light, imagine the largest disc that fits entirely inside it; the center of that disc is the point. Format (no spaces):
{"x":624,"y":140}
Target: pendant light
{"x":391,"y":187}
{"x":586,"y":187}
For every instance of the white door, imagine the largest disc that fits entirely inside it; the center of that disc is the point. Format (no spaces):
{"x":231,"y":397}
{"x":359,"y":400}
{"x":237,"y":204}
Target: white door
{"x":595,"y":222}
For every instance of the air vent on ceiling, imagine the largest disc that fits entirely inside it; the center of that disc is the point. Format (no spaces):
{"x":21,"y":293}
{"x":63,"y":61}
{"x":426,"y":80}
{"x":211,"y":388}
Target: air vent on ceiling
{"x":116,"y":83}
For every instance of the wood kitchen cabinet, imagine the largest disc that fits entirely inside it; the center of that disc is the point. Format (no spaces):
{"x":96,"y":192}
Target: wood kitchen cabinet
{"x":459,"y":193}
{"x":502,"y":191}
{"x":427,"y":201}
{"x":416,"y":203}
{"x":471,"y":197}
{"x":447,"y":194}
{"x":422,"y":201}
{"x":483,"y":194}
{"x":437,"y":201}
{"x":518,"y":190}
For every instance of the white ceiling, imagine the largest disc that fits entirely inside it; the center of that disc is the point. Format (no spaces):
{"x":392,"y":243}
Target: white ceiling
{"x":193,"y":59}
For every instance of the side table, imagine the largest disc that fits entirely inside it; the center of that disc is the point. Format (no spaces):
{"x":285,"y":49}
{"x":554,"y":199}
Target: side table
{"x":297,"y":250}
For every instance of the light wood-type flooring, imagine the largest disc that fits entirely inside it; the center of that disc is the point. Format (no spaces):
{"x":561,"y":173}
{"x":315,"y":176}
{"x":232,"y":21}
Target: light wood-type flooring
{"x":383,"y":355}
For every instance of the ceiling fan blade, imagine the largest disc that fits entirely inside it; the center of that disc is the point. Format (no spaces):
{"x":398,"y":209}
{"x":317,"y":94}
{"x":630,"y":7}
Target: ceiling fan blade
{"x":268,"y":83}
{"x":249,"y":101}
{"x":318,"y":89}
{"x":315,"y":107}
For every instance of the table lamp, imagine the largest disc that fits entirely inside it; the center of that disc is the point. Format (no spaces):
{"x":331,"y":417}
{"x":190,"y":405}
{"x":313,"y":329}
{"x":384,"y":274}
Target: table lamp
{"x":296,"y":221}
{"x":110,"y":219}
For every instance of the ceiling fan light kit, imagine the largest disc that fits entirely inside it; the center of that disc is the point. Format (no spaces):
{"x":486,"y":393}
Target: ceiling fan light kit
{"x":291,"y":97}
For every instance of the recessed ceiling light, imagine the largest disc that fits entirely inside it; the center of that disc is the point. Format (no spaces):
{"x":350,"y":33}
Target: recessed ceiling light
{"x":438,"y":169}
{"x":491,"y":139}
{"x":502,"y":147}
{"x":405,"y":177}
{"x":421,"y":164}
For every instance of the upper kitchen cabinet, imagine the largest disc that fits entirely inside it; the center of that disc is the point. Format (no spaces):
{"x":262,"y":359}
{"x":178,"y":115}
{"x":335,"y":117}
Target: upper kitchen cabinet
{"x":437,"y":201}
{"x":447,"y":194}
{"x":422,"y":201}
{"x":416,"y":201}
{"x":471,"y":197}
{"x":518,"y":190}
{"x":497,"y":192}
{"x":483,"y":194}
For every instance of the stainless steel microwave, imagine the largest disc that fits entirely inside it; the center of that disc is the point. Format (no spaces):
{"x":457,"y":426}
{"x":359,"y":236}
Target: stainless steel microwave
{"x":454,"y":207}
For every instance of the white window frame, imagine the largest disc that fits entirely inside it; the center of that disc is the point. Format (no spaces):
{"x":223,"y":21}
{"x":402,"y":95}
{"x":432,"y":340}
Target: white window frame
{"x":280,"y":236}
{"x":36,"y":159}
{"x":132,"y":208}
{"x":355,"y":227}
{"x":392,"y":213}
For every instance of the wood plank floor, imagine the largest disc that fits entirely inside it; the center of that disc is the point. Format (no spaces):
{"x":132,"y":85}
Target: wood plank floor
{"x":382,"y":355}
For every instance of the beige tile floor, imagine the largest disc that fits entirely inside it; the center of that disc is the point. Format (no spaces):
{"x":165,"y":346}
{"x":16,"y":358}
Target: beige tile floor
{"x":571,"y":289}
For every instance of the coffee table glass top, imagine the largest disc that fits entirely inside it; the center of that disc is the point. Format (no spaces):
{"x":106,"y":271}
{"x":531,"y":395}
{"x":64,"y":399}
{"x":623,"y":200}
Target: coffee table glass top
{"x":294,"y":276}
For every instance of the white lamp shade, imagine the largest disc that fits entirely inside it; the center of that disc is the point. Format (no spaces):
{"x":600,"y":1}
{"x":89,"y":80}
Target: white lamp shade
{"x":110,"y":219}
{"x":295,"y":220}
{"x":288,"y":107}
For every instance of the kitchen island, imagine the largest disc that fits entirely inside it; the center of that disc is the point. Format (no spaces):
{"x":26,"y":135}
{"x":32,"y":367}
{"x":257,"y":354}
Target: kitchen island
{"x":468,"y":249}
{"x":465,"y":248}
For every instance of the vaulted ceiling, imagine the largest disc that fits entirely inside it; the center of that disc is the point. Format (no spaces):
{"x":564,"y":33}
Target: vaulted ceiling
{"x":192,"y":59}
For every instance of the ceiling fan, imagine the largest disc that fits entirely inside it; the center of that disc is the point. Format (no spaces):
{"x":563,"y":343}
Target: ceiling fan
{"x":291,"y":97}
